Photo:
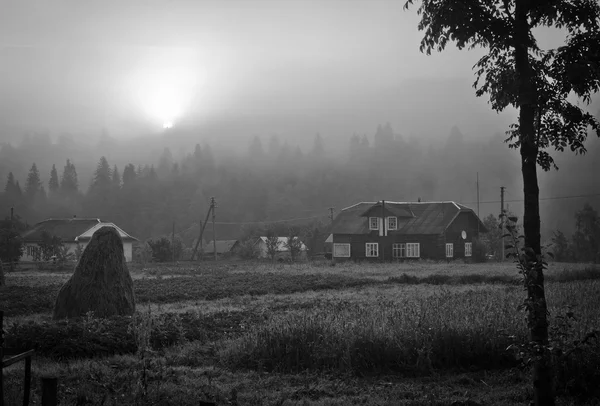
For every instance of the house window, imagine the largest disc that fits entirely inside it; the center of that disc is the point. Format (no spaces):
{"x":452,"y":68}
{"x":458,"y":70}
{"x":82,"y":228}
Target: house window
{"x":413,"y":250}
{"x":341,"y":250}
{"x":392,"y":223}
{"x":372,"y":249}
{"x":449,"y":250}
{"x":398,"y":250}
{"x":468,"y":249}
{"x":373,"y":223}
{"x":32,"y":250}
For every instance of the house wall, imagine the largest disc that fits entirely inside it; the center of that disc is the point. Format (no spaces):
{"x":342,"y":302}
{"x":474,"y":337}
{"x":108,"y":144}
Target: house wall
{"x":72,"y":246}
{"x":463,"y":222}
{"x":431,"y":246}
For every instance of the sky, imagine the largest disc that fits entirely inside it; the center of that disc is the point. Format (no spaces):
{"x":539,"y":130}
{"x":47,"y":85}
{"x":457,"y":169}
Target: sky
{"x":230,"y":69}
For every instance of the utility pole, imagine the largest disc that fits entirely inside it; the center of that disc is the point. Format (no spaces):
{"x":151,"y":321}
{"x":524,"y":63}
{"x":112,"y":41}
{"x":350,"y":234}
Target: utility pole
{"x":12,"y":229}
{"x":502,"y":218}
{"x":382,"y":230}
{"x":173,"y":243}
{"x":212,"y":205}
{"x":202,"y":227}
{"x":479,"y":218}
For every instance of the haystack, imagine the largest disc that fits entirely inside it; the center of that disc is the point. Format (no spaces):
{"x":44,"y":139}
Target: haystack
{"x":101,"y":282}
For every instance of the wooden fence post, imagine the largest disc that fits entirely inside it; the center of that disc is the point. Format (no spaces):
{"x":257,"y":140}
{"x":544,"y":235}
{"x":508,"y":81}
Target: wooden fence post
{"x":1,"y":358}
{"x":49,"y":391}
{"x":27,"y":383}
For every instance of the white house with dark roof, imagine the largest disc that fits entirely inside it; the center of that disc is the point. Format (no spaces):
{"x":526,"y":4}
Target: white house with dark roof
{"x":73,"y":232}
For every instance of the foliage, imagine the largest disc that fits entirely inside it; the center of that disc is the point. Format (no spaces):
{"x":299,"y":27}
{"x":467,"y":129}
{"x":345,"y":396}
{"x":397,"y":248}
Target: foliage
{"x":480,"y":250}
{"x":143,"y":254}
{"x":272,"y":244}
{"x":561,"y":248}
{"x":49,"y":246}
{"x":11,"y":245}
{"x":69,"y":184}
{"x":293,"y":244}
{"x":247,"y":249}
{"x":53,"y":184}
{"x":586,"y":240}
{"x":163,"y":251}
{"x":493,"y":238}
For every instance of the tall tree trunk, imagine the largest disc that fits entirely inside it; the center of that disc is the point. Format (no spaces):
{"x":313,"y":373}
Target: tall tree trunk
{"x":534,"y":278}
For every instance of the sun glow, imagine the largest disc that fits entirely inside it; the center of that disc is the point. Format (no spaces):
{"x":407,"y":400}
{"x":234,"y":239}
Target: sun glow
{"x":165,"y":94}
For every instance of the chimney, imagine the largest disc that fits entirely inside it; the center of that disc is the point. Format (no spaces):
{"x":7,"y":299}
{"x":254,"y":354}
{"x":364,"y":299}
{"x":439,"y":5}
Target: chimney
{"x":74,"y":216}
{"x":419,"y":200}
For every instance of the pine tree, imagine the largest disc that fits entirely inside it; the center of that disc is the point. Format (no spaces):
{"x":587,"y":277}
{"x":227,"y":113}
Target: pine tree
{"x":53,"y":183}
{"x":68,"y":183}
{"x":32,"y":187}
{"x":10,"y":187}
{"x":102,"y":176}
{"x":129,"y":176}
{"x":116,"y":177}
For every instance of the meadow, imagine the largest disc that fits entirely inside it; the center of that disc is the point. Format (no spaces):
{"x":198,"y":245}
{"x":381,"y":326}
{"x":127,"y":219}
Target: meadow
{"x":253,"y":333}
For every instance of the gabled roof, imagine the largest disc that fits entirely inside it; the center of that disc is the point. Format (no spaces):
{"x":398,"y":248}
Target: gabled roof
{"x":87,"y":235}
{"x":282,"y":243}
{"x":65,"y":229}
{"x":429,"y":217}
{"x":223,"y":246}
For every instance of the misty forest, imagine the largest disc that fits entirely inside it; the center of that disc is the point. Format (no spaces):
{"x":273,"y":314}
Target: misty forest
{"x":270,"y":179}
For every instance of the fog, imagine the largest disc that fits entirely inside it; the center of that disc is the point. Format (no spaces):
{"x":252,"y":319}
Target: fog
{"x":125,"y":80}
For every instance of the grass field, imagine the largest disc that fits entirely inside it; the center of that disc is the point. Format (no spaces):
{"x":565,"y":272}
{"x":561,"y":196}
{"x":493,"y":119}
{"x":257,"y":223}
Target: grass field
{"x":255,"y":333}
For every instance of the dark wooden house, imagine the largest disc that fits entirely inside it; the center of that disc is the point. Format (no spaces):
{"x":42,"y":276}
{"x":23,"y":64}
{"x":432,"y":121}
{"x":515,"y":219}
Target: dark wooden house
{"x":404,"y":230}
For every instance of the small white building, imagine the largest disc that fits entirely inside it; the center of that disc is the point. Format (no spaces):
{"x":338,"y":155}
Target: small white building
{"x":73,"y":232}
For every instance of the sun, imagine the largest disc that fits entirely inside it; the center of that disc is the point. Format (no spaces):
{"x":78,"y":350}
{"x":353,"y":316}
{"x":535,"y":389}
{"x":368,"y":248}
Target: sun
{"x":165,"y":94}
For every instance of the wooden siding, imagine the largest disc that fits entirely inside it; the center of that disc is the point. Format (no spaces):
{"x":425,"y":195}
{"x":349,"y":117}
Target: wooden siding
{"x":432,"y":246}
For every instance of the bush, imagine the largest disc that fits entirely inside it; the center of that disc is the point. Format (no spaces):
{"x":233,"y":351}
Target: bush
{"x":479,"y":250}
{"x":247,"y":249}
{"x":162,"y":251}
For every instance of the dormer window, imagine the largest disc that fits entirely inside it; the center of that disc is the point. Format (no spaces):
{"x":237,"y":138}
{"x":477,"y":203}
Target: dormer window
{"x":392,"y":223}
{"x":373,"y":223}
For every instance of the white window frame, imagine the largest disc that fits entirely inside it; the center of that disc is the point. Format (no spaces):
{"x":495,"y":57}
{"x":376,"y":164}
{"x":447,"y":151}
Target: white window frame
{"x":468,"y":249}
{"x":371,"y":219}
{"x":372,"y":249}
{"x":389,"y":226}
{"x":413,"y":250}
{"x":338,"y":245}
{"x":399,"y":250}
{"x":449,"y":250}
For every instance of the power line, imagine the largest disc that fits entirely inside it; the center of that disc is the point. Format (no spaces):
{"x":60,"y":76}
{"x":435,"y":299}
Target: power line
{"x":541,"y":198}
{"x":273,"y":221}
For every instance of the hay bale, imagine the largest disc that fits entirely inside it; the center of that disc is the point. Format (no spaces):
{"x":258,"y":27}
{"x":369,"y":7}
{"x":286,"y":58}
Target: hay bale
{"x":101,"y":282}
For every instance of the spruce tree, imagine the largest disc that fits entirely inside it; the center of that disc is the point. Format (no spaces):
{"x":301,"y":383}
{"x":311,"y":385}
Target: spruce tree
{"x":102,"y":175}
{"x":32,"y":187}
{"x":69,"y":184}
{"x":129,"y":176}
{"x":53,"y":185}
{"x":116,"y":177}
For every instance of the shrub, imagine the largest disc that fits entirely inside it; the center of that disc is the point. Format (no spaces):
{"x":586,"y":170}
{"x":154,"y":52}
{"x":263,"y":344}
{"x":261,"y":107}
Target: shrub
{"x":479,"y":250}
{"x":248,"y":249}
{"x":163,"y":251}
